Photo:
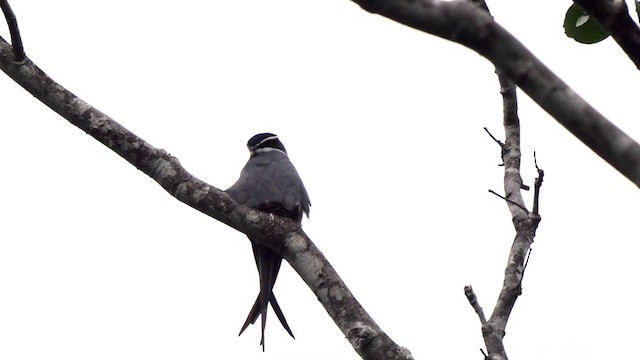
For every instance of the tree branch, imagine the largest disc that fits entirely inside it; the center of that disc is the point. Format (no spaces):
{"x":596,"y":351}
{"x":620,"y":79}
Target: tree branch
{"x":277,"y":233}
{"x":525,"y":223}
{"x":493,"y":137}
{"x":12,"y":23}
{"x":614,"y":17}
{"x":473,"y":300}
{"x":508,"y":200}
{"x":536,"y":186}
{"x":472,"y":27}
{"x":511,"y":154}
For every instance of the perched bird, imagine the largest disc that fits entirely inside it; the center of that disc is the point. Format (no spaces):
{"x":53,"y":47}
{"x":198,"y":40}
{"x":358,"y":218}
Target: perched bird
{"x":269,"y":182}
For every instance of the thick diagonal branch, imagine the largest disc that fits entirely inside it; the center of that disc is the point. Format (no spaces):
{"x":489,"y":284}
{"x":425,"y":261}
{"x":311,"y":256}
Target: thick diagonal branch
{"x":472,"y":27}
{"x":279,"y":234}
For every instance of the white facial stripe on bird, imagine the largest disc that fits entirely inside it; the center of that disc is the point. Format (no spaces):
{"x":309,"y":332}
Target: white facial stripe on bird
{"x":274,"y":137}
{"x":264,"y":150}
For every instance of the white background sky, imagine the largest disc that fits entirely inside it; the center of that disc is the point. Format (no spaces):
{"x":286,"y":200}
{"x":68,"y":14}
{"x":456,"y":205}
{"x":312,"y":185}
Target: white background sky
{"x":384,"y":124}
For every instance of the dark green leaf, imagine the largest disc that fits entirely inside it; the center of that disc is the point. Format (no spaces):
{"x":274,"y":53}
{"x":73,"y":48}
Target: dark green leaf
{"x":583,"y":28}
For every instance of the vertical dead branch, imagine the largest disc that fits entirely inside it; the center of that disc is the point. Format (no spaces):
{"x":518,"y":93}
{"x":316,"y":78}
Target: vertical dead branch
{"x":524,"y":222}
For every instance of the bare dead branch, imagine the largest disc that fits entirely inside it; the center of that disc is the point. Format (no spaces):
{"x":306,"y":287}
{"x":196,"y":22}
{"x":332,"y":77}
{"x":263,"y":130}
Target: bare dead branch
{"x":472,"y":27}
{"x":494,"y":330}
{"x":508,"y":200}
{"x":511,"y":154}
{"x":14,"y":31}
{"x":497,"y":141}
{"x":614,"y":17}
{"x":494,"y":138}
{"x":486,"y":357}
{"x":525,"y":223}
{"x":536,"y":186}
{"x":473,"y":300}
{"x":526,"y":261}
{"x":279,"y":234}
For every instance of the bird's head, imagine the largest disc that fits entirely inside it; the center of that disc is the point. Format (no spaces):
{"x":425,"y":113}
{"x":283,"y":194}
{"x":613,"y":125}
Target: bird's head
{"x":265,"y":142}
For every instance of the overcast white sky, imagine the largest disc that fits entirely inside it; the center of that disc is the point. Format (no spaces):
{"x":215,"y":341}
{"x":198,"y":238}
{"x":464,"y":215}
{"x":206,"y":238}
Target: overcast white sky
{"x":384,"y":124}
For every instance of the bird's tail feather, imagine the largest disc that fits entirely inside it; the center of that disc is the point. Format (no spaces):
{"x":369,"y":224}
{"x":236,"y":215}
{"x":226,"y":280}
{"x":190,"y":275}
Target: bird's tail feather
{"x":268,"y":263}
{"x":253,"y":315}
{"x":255,"y":311}
{"x":280,"y":315}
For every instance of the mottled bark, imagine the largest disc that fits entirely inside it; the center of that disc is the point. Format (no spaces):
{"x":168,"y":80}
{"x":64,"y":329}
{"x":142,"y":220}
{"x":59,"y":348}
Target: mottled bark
{"x":524,"y":222}
{"x":281,"y":235}
{"x":472,"y":27}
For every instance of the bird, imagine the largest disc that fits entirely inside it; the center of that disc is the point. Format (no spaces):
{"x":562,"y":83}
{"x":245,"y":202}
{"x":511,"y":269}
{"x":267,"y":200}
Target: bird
{"x":269,"y":182}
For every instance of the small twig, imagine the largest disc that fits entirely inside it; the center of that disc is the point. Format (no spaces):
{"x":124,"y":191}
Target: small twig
{"x":526,"y":262}
{"x":473,"y":300}
{"x":509,"y":201}
{"x":493,"y":137}
{"x":536,"y":186}
{"x":502,"y":145}
{"x":12,"y":23}
{"x":486,"y":357}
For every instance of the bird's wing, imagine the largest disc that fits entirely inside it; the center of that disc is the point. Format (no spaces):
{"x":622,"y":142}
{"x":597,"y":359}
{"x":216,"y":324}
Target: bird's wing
{"x":270,"y":182}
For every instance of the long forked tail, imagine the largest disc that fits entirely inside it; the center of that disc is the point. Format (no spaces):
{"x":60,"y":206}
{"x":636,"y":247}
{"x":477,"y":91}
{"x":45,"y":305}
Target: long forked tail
{"x":268,"y":263}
